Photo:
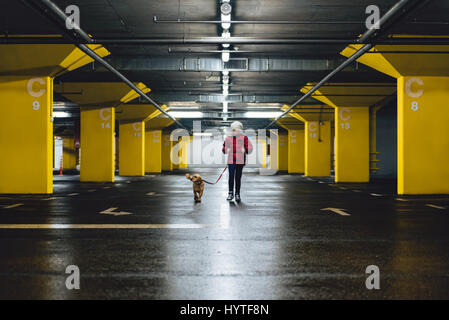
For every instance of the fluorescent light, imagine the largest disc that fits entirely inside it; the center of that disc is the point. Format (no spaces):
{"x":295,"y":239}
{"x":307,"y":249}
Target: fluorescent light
{"x":61,"y":114}
{"x":225,"y":106}
{"x":255,"y":114}
{"x":225,"y":73}
{"x":185,"y":114}
{"x":203,"y":134}
{"x":225,"y":56}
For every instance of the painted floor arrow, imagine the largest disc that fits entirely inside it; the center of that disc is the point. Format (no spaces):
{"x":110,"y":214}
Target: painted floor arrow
{"x":111,"y":212}
{"x":339,"y":211}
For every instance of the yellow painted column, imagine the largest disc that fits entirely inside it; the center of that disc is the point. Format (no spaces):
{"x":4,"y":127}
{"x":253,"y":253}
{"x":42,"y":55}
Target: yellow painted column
{"x":283,"y":152}
{"x":132,"y":149}
{"x":153,"y":151}
{"x":352,"y":144}
{"x":317,"y":149}
{"x":97,"y":145}
{"x":296,"y":151}
{"x":184,"y":152}
{"x":26,"y":135}
{"x":423,"y":135}
{"x":167,"y":145}
{"x":69,"y":153}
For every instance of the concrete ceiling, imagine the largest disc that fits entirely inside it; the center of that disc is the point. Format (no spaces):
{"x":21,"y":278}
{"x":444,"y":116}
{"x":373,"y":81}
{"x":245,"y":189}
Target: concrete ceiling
{"x":153,"y":65}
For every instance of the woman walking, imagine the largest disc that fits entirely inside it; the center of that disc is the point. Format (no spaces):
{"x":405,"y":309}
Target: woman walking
{"x":236,"y":147}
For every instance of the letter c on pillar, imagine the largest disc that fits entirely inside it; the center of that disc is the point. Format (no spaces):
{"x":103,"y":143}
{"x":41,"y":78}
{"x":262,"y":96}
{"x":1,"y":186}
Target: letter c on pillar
{"x":347,"y":117}
{"x":103,"y":116}
{"x":35,"y":94}
{"x":408,"y":87}
{"x":137,"y":126}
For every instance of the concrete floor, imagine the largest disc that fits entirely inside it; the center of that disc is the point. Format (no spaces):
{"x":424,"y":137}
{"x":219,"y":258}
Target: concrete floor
{"x":276,"y":244}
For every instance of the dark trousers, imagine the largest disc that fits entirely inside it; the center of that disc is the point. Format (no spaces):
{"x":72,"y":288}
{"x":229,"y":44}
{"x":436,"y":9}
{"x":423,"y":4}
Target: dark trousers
{"x":235,"y":172}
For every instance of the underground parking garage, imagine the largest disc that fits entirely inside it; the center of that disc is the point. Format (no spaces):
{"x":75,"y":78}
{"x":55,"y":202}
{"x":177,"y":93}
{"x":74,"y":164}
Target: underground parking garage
{"x":224,"y":150}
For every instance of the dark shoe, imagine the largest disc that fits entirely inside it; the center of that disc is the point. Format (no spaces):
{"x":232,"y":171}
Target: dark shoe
{"x":237,"y":197}
{"x":230,"y":196}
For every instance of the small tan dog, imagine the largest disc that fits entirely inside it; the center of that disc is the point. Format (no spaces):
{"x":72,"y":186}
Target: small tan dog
{"x":198,"y":186}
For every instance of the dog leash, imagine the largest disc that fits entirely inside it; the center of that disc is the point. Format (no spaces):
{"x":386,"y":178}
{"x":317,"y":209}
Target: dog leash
{"x":221,"y":175}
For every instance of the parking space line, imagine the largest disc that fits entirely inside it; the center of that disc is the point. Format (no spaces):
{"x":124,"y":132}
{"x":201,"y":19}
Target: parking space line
{"x":108,"y":226}
{"x":13,"y":206}
{"x":435,"y":206}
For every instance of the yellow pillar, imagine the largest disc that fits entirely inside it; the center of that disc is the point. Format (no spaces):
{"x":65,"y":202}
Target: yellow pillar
{"x":351,"y":144}
{"x":132,"y":149}
{"x":296,"y":151}
{"x":97,"y":145}
{"x":184,"y":152}
{"x":317,"y":149}
{"x":423,"y":116}
{"x":26,"y":134}
{"x":167,"y":145}
{"x":69,"y":153}
{"x":283,"y":152}
{"x":153,"y":151}
{"x":423,"y":135}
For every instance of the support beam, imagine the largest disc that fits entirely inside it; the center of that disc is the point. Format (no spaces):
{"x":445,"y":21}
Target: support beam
{"x":296,"y":151}
{"x":351,"y":144}
{"x":97,"y":145}
{"x":318,"y":149}
{"x":132,"y":149}
{"x":26,"y":131}
{"x":167,"y":145}
{"x":153,"y":151}
{"x":423,"y":133}
{"x":69,"y":153}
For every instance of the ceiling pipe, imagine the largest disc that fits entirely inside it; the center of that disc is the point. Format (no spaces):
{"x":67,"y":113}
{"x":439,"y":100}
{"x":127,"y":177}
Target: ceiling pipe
{"x":51,"y":7}
{"x":366,"y":36}
{"x":280,"y":22}
{"x":10,"y":39}
{"x":156,"y":20}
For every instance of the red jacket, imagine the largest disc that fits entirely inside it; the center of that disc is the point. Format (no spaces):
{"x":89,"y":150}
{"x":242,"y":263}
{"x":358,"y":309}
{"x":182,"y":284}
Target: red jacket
{"x":237,"y":148}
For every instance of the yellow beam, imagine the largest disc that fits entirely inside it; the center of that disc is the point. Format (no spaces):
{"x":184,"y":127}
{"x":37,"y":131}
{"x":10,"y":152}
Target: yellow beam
{"x":97,"y":145}
{"x":99,"y":94}
{"x":43,"y":60}
{"x":132,"y":149}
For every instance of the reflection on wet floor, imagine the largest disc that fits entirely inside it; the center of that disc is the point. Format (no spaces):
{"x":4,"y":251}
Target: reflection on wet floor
{"x":277,"y":244}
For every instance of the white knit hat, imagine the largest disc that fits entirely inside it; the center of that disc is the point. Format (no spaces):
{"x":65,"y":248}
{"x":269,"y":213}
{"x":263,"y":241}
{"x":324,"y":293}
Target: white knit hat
{"x":236,"y":125}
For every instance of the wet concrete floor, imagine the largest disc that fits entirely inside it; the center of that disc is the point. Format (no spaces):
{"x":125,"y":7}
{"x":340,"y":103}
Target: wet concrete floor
{"x":145,"y":238}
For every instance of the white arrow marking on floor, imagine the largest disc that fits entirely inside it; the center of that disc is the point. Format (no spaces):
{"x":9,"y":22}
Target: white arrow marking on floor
{"x":339,"y":211}
{"x":111,"y":211}
{"x":73,"y":194}
{"x":376,"y":194}
{"x":435,"y":206}
{"x":13,"y":206}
